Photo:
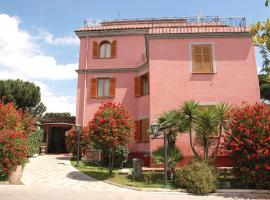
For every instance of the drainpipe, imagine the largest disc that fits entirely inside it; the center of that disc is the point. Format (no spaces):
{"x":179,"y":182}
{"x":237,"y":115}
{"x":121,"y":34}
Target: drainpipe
{"x":85,"y":81}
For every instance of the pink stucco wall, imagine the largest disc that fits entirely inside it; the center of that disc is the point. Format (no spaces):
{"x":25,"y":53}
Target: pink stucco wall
{"x":130,"y":50}
{"x":171,"y":80}
{"x":172,"y":83}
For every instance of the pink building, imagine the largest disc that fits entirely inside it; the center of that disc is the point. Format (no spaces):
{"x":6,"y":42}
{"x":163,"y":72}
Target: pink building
{"x":154,"y":65}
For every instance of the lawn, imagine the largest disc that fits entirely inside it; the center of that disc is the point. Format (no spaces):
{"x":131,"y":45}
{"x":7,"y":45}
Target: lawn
{"x":101,"y":173}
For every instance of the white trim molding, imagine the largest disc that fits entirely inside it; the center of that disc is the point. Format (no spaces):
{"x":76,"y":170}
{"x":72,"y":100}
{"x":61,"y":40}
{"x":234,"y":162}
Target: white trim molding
{"x":207,"y":103}
{"x":213,"y":55}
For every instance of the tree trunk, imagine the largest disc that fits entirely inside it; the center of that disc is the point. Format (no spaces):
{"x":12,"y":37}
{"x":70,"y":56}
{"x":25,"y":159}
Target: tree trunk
{"x":218,"y":142}
{"x":110,"y":161}
{"x":191,"y":144}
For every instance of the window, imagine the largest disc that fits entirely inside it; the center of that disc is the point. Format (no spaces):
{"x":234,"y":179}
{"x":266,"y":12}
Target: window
{"x":104,"y":49}
{"x":102,"y":87}
{"x":145,"y":85}
{"x":202,"y":59}
{"x":142,"y":85}
{"x":141,"y":131}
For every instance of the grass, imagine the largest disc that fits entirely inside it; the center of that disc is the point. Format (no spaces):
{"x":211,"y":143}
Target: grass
{"x":101,"y":173}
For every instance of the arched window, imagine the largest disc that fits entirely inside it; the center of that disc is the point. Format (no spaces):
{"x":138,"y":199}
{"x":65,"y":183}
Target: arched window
{"x":105,"y":50}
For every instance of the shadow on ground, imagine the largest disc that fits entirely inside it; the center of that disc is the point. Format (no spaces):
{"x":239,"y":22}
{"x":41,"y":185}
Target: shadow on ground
{"x":79,"y":176}
{"x":244,"y":196}
{"x":63,"y":158}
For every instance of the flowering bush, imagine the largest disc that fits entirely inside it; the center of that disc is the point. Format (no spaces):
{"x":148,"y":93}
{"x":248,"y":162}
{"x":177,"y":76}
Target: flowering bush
{"x":110,"y":127}
{"x":71,"y":140}
{"x":13,"y":148}
{"x":34,"y":141}
{"x":248,"y":141}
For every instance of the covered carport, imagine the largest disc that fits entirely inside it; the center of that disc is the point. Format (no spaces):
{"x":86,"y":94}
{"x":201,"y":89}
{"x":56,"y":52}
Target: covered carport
{"x":54,"y":133}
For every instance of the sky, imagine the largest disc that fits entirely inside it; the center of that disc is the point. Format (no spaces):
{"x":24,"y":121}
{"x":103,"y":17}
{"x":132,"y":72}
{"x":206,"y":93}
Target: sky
{"x":38,"y":44}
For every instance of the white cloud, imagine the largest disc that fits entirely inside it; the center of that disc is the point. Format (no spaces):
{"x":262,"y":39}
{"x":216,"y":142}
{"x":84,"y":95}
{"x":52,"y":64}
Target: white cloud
{"x":21,"y":57}
{"x":56,"y":102}
{"x":51,"y":39}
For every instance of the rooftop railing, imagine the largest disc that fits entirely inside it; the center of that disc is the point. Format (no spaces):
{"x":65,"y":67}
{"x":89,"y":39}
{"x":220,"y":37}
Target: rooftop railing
{"x":205,"y":20}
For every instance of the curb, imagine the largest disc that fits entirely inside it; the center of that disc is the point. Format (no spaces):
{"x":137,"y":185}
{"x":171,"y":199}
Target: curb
{"x":146,"y":189}
{"x":184,"y":191}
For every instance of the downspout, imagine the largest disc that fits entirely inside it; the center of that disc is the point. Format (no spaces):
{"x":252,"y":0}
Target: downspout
{"x":84,"y":92}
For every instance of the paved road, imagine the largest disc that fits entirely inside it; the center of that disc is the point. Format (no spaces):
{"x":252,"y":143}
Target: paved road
{"x":52,"y":177}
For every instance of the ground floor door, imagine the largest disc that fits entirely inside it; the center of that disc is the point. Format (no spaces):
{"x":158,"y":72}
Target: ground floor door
{"x":56,"y":140}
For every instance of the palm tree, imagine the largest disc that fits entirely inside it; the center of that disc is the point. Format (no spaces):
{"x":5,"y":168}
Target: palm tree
{"x":173,"y":122}
{"x":222,"y":111}
{"x":205,"y":126}
{"x":174,"y":156}
{"x":188,"y":111}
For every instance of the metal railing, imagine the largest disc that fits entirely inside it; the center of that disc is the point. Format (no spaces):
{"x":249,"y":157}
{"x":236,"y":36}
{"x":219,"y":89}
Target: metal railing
{"x":205,"y":20}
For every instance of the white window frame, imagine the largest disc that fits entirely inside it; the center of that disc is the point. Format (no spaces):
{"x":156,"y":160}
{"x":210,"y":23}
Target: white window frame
{"x":213,"y":56}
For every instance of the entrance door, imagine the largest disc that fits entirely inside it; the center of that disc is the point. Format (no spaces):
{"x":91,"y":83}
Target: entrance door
{"x":56,"y":140}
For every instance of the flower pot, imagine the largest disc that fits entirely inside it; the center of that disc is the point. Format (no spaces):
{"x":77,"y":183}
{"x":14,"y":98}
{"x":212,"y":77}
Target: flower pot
{"x":42,"y":149}
{"x":14,"y":177}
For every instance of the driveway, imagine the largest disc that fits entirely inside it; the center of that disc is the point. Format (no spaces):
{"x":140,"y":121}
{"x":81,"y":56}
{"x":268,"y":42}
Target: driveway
{"x":57,"y":171}
{"x":52,"y":177}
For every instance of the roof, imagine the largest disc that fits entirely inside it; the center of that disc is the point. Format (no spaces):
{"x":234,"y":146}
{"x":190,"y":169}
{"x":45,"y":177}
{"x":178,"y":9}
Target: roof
{"x":171,"y":25}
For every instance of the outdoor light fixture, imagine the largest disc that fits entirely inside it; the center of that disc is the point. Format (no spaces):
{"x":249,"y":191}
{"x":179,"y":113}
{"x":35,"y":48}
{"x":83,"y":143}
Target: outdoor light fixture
{"x":78,"y":128}
{"x":155,"y":129}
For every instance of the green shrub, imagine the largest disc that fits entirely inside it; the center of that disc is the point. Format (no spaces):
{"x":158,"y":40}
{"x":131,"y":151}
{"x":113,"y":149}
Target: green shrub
{"x":174,"y":156}
{"x":34,"y":140}
{"x":120,"y":154}
{"x":197,"y":177}
{"x":153,"y":177}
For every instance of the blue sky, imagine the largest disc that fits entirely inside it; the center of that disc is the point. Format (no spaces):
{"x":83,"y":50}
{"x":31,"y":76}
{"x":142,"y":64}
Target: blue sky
{"x":42,"y":32}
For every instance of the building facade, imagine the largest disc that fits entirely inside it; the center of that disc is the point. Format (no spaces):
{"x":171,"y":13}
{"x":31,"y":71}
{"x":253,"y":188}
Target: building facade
{"x":154,"y":65}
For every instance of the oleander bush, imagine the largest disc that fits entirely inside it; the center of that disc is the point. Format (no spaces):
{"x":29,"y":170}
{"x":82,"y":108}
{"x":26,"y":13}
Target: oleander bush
{"x":13,"y":139}
{"x":197,"y":177}
{"x":111,"y":126}
{"x":247,"y":140}
{"x":71,"y":140}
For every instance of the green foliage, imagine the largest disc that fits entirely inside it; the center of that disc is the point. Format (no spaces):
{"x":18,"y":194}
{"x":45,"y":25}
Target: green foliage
{"x":23,"y":94}
{"x":121,"y":155}
{"x":261,"y":38}
{"x":173,"y":123}
{"x":56,"y":115}
{"x":174,"y":156}
{"x":34,"y":140}
{"x":153,"y":177}
{"x":205,"y":122}
{"x":264,"y":81}
{"x":38,"y":111}
{"x":197,"y":177}
{"x":206,"y":125}
{"x":188,"y":110}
